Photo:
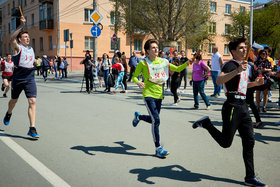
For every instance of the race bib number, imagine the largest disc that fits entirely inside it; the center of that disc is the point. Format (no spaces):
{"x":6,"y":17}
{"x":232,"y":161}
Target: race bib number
{"x":159,"y":73}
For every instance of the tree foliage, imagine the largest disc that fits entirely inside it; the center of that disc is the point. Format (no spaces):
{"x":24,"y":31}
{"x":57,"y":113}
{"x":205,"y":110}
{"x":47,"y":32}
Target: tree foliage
{"x":166,"y":20}
{"x":266,"y":25}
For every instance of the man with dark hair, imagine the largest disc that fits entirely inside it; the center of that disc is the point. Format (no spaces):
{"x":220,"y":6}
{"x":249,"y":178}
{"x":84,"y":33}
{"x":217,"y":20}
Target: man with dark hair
{"x":155,"y":72}
{"x":133,"y":62}
{"x":235,"y":113}
{"x":23,"y":76}
{"x":88,"y":72}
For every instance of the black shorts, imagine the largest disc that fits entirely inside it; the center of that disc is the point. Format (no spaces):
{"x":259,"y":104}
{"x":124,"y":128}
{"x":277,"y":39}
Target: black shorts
{"x":29,"y":87}
{"x":9,"y":78}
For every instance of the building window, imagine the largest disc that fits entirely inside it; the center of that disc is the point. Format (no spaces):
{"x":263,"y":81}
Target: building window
{"x":9,"y":9}
{"x":228,"y":9}
{"x":112,"y":16}
{"x":227,"y":29}
{"x":26,"y":23}
{"x":87,"y":19}
{"x":179,"y":46}
{"x":211,"y":47}
{"x":242,"y":9}
{"x":9,"y":28}
{"x":32,"y":17}
{"x":138,"y":45}
{"x":41,"y":44}
{"x":25,"y":2}
{"x":33,"y":44}
{"x":226,"y":50}
{"x":50,"y":43}
{"x":241,"y":31}
{"x":213,"y":6}
{"x":14,"y":24}
{"x":88,"y":43}
{"x":212,"y":28}
{"x":14,"y":4}
{"x":113,"y":44}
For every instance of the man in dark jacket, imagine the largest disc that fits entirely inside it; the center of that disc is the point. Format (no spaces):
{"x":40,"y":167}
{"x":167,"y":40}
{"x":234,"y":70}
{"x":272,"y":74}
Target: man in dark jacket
{"x":45,"y":67}
{"x":133,"y":62}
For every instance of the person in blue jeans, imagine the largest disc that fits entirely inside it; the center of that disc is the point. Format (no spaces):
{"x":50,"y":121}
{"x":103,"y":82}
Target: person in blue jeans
{"x":105,"y":66}
{"x":120,"y":68}
{"x":216,"y":66}
{"x":200,"y":71}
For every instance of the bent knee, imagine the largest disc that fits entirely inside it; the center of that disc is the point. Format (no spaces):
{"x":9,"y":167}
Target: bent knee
{"x":32,"y":101}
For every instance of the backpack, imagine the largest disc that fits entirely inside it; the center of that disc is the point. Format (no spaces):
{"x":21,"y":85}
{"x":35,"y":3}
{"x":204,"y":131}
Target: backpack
{"x":111,"y":80}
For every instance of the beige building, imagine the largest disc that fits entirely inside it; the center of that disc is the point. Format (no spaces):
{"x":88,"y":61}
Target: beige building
{"x":47,"y":20}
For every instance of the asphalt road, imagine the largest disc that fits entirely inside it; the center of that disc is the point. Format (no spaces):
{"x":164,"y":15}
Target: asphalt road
{"x":88,"y":140}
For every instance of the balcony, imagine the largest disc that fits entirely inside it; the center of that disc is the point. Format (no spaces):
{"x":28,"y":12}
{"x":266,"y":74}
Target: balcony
{"x":46,"y":24}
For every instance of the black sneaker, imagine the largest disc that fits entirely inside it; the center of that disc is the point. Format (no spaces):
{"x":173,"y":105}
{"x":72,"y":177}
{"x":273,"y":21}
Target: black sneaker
{"x":253,"y":182}
{"x":201,"y":122}
{"x":264,"y":110}
{"x":33,"y":133}
{"x":3,"y":87}
{"x":4,"y":95}
{"x":7,"y":118}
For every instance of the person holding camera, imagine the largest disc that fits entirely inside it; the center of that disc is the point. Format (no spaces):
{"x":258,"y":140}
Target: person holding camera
{"x":264,"y":66}
{"x":88,"y":72}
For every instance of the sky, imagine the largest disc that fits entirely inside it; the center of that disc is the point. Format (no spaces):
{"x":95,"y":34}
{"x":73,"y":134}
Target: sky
{"x":261,"y":1}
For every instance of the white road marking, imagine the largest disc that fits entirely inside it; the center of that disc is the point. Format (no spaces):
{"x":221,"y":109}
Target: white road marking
{"x":45,"y":172}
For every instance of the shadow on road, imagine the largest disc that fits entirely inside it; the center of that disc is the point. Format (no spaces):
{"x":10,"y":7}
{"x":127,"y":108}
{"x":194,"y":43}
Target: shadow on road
{"x":175,"y":172}
{"x":122,"y":149}
{"x":17,"y":136}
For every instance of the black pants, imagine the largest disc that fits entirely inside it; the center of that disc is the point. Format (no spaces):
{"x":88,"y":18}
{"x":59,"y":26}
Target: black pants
{"x":132,"y":70}
{"x":89,"y":81}
{"x":45,"y":73}
{"x":183,"y":74}
{"x":64,"y":72}
{"x":168,"y":83}
{"x":251,"y":103}
{"x":174,"y":87}
{"x":236,"y":117}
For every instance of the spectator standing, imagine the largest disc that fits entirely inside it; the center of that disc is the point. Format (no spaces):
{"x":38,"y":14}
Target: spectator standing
{"x":106,"y":70}
{"x":123,"y":62}
{"x":184,"y":73}
{"x":265,"y":67}
{"x":200,"y":72}
{"x":99,"y":71}
{"x":65,"y":67}
{"x":88,"y":65}
{"x":58,"y":67}
{"x":38,"y":66}
{"x":55,"y":66}
{"x":216,"y":66}
{"x":61,"y":69}
{"x":45,"y":66}
{"x":175,"y":79}
{"x":133,"y":62}
{"x":118,"y":65}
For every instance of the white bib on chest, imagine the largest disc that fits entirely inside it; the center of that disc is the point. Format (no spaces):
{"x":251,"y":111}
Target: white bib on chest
{"x":26,"y":57}
{"x":159,"y":73}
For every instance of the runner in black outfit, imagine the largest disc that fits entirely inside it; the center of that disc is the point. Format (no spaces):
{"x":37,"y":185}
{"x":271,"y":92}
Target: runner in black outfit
{"x":235,"y":113}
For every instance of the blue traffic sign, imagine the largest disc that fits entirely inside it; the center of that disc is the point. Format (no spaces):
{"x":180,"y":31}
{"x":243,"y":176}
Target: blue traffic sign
{"x":95,"y":31}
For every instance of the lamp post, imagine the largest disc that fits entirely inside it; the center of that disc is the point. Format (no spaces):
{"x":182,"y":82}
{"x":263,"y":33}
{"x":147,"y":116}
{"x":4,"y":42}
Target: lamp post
{"x":251,"y":22}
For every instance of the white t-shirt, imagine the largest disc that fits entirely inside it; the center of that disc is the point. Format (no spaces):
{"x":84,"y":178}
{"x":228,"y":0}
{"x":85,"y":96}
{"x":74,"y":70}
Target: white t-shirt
{"x":215,"y":64}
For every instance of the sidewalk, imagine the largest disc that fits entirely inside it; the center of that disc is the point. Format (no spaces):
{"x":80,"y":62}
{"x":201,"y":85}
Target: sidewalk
{"x":77,"y":77}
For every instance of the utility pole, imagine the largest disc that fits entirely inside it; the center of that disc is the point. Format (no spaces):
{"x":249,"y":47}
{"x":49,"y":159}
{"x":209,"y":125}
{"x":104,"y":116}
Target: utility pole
{"x":130,"y":28}
{"x":58,"y":47}
{"x":94,"y":50}
{"x":116,"y":25}
{"x":251,"y":23}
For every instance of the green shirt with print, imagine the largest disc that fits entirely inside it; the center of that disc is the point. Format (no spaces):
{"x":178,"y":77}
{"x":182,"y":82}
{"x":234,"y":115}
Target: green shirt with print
{"x":151,"y":89}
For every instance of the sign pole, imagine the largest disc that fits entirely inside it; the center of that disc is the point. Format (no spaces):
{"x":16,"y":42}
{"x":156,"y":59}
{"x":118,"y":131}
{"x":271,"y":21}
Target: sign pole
{"x":94,"y":50}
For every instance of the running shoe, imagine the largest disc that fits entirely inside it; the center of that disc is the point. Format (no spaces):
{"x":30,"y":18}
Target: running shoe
{"x":254,"y":182}
{"x":136,"y":119}
{"x":258,"y":124}
{"x":7,"y":119}
{"x":201,"y":122}
{"x":161,"y":153}
{"x":208,"y":108}
{"x":33,"y":133}
{"x":3,"y":87}
{"x":4,"y":95}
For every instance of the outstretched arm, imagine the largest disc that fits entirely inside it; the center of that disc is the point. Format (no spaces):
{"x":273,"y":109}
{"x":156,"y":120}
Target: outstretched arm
{"x":14,"y":44}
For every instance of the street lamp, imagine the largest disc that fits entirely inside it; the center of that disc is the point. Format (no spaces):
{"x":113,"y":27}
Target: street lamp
{"x":251,"y":22}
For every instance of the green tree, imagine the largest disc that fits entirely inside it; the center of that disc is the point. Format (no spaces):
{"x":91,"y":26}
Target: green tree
{"x":266,"y":25}
{"x":166,"y":20}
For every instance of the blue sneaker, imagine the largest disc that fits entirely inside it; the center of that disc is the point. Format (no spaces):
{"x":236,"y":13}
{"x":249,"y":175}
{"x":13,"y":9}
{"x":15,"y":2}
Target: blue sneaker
{"x":136,"y":120}
{"x":161,"y":153}
{"x":7,"y":118}
{"x":33,"y":133}
{"x":253,"y":182}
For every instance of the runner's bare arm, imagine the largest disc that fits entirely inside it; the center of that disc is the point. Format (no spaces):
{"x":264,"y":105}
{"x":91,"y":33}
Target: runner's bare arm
{"x":259,"y":81}
{"x":178,"y":68}
{"x":14,"y":43}
{"x":225,"y":77}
